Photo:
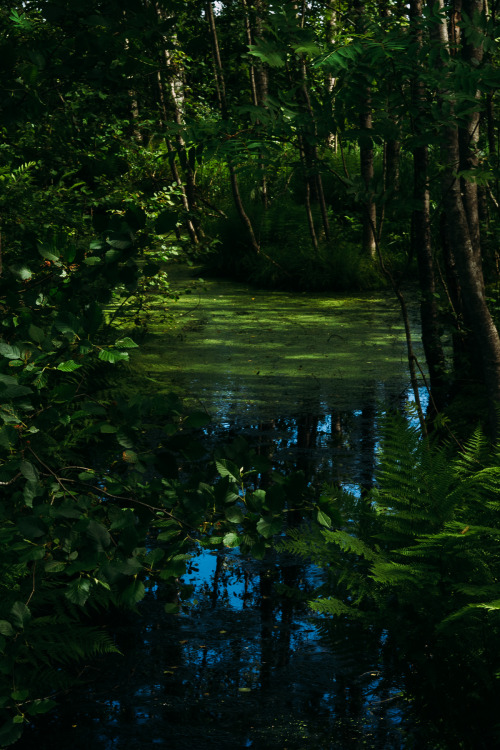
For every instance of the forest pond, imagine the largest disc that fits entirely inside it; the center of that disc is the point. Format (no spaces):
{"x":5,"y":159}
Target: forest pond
{"x":304,"y":377}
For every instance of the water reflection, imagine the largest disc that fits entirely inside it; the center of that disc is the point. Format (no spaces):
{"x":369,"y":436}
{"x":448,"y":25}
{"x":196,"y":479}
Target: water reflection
{"x":243,"y":665}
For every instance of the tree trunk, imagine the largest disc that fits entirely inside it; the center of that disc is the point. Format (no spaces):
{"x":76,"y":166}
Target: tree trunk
{"x":421,"y":239}
{"x":173,"y":103}
{"x":366,"y":149}
{"x":469,"y":136}
{"x":462,"y":238}
{"x":221,"y":88}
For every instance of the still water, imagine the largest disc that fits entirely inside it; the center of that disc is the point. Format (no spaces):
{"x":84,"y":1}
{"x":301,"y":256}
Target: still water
{"x":302,"y":379}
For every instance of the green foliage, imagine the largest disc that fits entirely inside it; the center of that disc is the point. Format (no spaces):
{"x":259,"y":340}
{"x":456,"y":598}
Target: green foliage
{"x":420,"y":562}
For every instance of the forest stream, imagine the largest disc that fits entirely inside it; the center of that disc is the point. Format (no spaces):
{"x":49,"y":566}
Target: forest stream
{"x":304,"y":378}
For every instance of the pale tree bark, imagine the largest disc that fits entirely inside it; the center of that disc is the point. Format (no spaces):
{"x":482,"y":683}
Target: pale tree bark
{"x":330,"y":23}
{"x":221,"y":92}
{"x":258,"y":79}
{"x":171,"y":98}
{"x":366,"y":153}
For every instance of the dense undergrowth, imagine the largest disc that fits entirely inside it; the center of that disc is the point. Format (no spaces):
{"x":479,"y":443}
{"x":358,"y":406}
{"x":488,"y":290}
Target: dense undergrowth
{"x":415,"y":563}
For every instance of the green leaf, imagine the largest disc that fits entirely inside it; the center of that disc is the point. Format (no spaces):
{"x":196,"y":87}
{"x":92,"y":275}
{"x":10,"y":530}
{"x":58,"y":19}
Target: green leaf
{"x":31,"y":527}
{"x":78,"y":591}
{"x":69,"y":366}
{"x":48,"y":253}
{"x":171,"y":608}
{"x":98,"y":534}
{"x":6,"y":628}
{"x":228,"y":469}
{"x":37,"y":334}
{"x":269,"y":527}
{"x":112,"y":256}
{"x":29,"y":471}
{"x":231,"y":540}
{"x":8,"y":351}
{"x":126,"y":343}
{"x":118,"y":241}
{"x":234,"y":514}
{"x":54,"y":566}
{"x":41,"y":706}
{"x":14,"y":391}
{"x":109,"y":355}
{"x":21,"y":271}
{"x":19,"y":695}
{"x":133,"y":593}
{"x":91,"y":260}
{"x":20,"y":614}
{"x":323,"y":519}
{"x":10,"y":733}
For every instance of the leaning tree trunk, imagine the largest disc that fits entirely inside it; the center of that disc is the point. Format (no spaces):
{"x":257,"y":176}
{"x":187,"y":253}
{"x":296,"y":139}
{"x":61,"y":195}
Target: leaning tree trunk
{"x":462,"y":238}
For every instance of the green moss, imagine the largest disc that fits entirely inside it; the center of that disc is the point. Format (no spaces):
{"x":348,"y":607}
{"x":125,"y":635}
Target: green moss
{"x":243,"y":350}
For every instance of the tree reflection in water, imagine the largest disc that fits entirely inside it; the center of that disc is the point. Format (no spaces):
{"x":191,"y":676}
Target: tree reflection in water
{"x":243,"y":664}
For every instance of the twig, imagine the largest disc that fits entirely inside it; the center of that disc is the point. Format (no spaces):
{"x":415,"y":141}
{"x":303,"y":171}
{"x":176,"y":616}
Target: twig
{"x":33,"y":589}
{"x":53,"y":474}
{"x":11,"y":481}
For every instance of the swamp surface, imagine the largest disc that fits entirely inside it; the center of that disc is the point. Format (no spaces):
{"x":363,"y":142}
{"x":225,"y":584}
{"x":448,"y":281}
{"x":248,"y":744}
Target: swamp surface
{"x":303,"y":378}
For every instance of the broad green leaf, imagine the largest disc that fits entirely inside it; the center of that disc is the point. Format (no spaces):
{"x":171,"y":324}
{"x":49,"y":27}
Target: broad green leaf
{"x":269,"y":527}
{"x":21,"y":271}
{"x":78,"y":591}
{"x":125,"y":343}
{"x":10,"y":733}
{"x":133,"y":594}
{"x":29,"y":471}
{"x":48,"y":253}
{"x":14,"y":391}
{"x":231,"y":540}
{"x":19,"y":695}
{"x":31,"y":527}
{"x":234,"y":514}
{"x":20,"y":614}
{"x":323,"y":518}
{"x":36,"y":334}
{"x":172,"y":608}
{"x":118,"y":241}
{"x":98,"y":534}
{"x":41,"y":706}
{"x":54,"y":566}
{"x":6,"y":628}
{"x":69,"y":366}
{"x":229,"y":469}
{"x":8,"y":351}
{"x":112,"y":256}
{"x":112,"y":356}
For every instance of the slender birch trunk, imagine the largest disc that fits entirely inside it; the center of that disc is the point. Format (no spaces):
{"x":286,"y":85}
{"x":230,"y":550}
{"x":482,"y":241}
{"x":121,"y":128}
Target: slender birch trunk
{"x":221,"y":89}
